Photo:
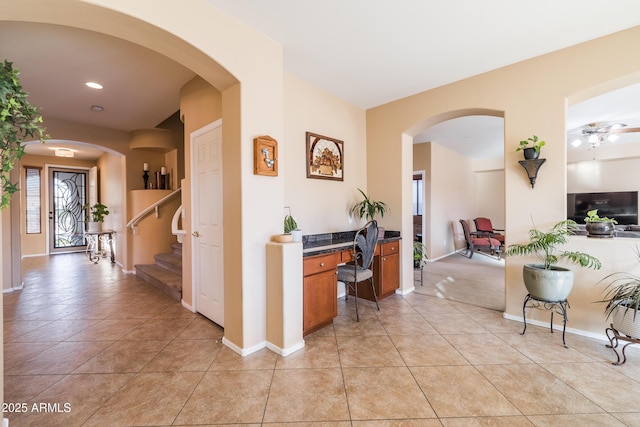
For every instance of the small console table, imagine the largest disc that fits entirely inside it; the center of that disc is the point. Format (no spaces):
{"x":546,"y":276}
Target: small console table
{"x":97,"y":242}
{"x":559,"y":307}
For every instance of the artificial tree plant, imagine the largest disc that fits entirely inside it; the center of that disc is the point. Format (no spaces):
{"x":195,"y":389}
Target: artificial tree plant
{"x":19,"y":120}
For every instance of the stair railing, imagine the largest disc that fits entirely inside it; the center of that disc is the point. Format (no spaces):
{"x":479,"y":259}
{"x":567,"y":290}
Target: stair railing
{"x":133,"y":224}
{"x":175,"y":230}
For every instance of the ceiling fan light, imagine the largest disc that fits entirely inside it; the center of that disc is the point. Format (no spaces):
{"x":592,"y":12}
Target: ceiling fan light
{"x":576,"y":142}
{"x":593,"y":138}
{"x":612,"y":138}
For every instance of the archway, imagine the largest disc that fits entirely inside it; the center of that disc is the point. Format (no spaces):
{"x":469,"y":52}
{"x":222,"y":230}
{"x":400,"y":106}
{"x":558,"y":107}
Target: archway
{"x":460,"y":184}
{"x":254,"y":109}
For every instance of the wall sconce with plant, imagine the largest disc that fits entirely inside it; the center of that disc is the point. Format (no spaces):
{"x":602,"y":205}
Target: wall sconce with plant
{"x":531,"y":163}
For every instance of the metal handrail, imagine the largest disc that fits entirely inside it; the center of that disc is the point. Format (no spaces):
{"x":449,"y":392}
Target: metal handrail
{"x":153,"y":207}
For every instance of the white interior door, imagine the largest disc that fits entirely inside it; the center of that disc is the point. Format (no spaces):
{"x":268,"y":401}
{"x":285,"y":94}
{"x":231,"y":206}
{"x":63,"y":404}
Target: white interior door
{"x":206,"y":201}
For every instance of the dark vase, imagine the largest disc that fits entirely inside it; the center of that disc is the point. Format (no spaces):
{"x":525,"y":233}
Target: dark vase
{"x":531,"y":153}
{"x":600,"y":229}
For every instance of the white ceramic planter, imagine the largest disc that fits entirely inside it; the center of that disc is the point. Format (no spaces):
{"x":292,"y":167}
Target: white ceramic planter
{"x":94,"y":227}
{"x":296,"y":235}
{"x":547,"y":285}
{"x":623,"y":322}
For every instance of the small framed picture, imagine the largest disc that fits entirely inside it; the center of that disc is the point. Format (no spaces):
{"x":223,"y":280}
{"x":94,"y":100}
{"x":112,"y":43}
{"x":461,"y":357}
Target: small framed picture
{"x":325,"y":157}
{"x":265,"y":156}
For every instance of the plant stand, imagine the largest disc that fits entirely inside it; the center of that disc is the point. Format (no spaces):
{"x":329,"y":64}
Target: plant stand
{"x":614,"y":338}
{"x":559,"y":307}
{"x":419,"y":270}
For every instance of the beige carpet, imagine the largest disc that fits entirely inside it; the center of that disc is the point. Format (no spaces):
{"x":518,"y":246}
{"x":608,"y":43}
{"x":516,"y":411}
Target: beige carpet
{"x":478,"y":281}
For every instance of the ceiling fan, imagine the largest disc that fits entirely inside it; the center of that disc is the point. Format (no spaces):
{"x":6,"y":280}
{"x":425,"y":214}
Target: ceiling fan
{"x":595,"y":134}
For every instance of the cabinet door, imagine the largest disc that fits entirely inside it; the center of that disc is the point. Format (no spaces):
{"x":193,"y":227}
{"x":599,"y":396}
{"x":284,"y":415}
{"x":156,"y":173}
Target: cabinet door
{"x":390,"y":273}
{"x":320,"y":300}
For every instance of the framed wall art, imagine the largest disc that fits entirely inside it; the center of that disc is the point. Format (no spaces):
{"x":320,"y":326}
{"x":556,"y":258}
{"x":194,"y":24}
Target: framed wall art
{"x":265,"y":156}
{"x":325,"y":157}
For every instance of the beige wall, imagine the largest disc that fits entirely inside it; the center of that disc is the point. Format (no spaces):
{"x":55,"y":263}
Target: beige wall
{"x":533,"y":96}
{"x":320,"y":205}
{"x":200,"y":105}
{"x":112,"y":172}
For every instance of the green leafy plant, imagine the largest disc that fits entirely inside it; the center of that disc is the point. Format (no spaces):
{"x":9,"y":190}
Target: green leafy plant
{"x":368,"y":208}
{"x":592,"y":216}
{"x":290,"y":223}
{"x":622,"y":291}
{"x":543,"y":244}
{"x":419,"y":254}
{"x":18,"y":120}
{"x":531,"y":142}
{"x":97,"y":212}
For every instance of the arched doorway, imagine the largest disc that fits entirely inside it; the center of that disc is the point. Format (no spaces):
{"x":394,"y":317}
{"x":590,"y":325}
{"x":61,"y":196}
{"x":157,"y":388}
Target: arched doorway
{"x":249,"y":111}
{"x":462,"y":154}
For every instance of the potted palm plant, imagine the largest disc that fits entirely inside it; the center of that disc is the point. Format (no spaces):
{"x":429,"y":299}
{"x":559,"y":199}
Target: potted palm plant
{"x":599,"y":227}
{"x":368,"y":209}
{"x":531,"y":147}
{"x":419,"y":255}
{"x":547,"y":281}
{"x":622,"y":299}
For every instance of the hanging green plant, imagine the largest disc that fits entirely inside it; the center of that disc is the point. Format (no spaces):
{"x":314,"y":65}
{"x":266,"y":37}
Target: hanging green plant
{"x":19,"y":120}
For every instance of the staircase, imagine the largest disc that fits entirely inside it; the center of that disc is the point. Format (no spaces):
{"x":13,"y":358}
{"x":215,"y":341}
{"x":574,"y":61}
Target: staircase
{"x":166,"y":273}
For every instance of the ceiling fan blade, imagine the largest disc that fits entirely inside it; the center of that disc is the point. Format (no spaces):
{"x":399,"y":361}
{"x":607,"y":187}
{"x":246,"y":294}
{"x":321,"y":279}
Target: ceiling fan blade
{"x":625,"y":130}
{"x":612,"y":127}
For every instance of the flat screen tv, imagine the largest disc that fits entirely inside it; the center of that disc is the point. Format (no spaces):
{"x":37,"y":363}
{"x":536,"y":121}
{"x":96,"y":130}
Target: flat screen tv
{"x":620,"y":205}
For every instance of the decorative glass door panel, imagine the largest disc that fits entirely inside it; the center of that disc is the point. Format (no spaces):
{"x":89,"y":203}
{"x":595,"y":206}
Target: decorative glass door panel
{"x":68,"y":196}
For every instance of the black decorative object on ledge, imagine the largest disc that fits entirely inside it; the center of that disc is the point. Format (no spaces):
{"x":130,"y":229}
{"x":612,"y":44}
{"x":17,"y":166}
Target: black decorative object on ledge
{"x":532,"y":166}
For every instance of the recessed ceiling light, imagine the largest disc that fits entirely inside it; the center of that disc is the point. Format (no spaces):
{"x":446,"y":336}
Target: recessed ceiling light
{"x":94,"y":85}
{"x":97,"y":108}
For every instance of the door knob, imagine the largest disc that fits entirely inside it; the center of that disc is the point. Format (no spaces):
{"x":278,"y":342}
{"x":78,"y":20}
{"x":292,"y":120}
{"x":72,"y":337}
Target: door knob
{"x":195,"y":234}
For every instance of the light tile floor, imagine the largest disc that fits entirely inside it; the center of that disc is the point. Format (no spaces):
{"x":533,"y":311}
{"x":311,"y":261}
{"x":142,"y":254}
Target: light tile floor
{"x":92,"y":346}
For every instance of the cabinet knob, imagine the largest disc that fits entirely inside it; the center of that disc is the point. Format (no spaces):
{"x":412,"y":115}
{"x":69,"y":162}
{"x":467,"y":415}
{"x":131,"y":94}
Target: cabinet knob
{"x":393,"y":248}
{"x":384,"y":258}
{"x":322,"y":264}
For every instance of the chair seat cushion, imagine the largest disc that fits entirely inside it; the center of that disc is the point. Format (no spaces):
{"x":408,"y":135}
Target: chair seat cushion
{"x":483,"y":241}
{"x":346,"y":273}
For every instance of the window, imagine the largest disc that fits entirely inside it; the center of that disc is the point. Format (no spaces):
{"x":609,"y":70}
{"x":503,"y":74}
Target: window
{"x":417,"y":194}
{"x":32,"y":196}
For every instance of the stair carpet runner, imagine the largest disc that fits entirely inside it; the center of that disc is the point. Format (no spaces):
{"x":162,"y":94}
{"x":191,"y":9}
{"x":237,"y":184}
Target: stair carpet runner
{"x":166,"y":273}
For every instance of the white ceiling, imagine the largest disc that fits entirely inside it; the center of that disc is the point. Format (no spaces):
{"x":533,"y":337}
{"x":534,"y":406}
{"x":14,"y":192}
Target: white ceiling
{"x":367,"y":52}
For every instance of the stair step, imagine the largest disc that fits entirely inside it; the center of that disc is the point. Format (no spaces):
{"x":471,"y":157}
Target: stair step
{"x":177,"y":248}
{"x":167,"y":281}
{"x":170,"y":261}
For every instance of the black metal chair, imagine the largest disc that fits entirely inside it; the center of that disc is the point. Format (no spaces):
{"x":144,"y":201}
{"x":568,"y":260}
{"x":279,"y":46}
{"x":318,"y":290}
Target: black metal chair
{"x":364,"y":246}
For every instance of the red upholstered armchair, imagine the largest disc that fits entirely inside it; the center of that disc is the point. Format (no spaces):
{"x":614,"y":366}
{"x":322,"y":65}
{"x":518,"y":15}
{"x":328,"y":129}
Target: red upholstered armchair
{"x":485,"y":228}
{"x":483,"y":244}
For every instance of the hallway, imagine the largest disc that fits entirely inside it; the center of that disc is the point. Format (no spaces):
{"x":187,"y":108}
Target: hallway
{"x":111,"y":350}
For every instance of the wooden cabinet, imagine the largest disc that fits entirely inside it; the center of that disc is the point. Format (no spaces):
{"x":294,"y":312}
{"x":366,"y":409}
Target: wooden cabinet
{"x":320,"y":291}
{"x":386,"y":271}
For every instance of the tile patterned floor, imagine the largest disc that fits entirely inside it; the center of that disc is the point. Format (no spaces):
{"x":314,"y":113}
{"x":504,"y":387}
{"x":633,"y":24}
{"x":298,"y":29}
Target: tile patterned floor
{"x":119,"y":353}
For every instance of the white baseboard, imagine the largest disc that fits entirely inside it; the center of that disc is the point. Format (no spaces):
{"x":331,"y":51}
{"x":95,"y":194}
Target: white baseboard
{"x":243,"y":351}
{"x":187,"y":306}
{"x":557,"y":327}
{"x":284,"y":352}
{"x":13,"y":289}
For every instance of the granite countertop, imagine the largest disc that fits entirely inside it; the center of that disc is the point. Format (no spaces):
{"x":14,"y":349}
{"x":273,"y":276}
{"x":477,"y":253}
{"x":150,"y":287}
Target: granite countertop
{"x":317,"y":244}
